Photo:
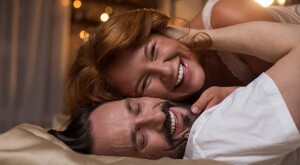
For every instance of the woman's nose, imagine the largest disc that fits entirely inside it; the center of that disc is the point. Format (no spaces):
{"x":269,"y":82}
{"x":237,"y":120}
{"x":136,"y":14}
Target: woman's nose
{"x":153,"y":119}
{"x":163,"y":70}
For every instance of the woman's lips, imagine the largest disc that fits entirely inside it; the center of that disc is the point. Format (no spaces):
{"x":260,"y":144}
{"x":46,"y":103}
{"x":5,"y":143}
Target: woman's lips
{"x":186,"y":76}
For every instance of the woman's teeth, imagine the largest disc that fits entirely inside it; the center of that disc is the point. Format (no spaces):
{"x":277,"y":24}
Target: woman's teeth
{"x":173,"y":122}
{"x":180,"y":74}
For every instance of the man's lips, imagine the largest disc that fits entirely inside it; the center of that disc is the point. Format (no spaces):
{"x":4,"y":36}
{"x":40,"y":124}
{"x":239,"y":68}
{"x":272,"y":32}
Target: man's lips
{"x":180,"y":129}
{"x":179,"y":123}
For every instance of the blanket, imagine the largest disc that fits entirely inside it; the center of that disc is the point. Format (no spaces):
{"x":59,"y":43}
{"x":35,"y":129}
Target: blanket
{"x":32,"y":145}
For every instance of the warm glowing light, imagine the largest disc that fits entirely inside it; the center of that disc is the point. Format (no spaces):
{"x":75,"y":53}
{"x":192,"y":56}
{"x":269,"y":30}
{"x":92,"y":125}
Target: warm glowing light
{"x":104,"y":17}
{"x":108,"y":10}
{"x":265,"y":3}
{"x":281,"y":2}
{"x":84,"y":35}
{"x":77,"y":4}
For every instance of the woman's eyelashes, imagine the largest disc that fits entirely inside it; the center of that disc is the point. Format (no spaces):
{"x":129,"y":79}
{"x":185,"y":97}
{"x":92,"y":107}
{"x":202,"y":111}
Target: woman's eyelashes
{"x":146,"y":83}
{"x":153,"y":52}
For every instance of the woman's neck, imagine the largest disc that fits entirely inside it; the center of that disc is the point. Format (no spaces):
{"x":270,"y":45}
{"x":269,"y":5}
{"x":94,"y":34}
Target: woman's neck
{"x":216,"y":74}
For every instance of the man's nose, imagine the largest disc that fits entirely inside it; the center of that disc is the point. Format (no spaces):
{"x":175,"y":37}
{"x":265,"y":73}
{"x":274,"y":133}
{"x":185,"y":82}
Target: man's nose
{"x":153,"y":119}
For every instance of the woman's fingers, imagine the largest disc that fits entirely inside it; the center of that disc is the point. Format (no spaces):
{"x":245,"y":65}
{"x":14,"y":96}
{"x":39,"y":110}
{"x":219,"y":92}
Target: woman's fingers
{"x":201,"y":103}
{"x":211,"y":97}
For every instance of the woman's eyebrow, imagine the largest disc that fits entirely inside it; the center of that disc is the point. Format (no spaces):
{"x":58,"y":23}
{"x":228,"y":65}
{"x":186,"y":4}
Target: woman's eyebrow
{"x":146,"y":48}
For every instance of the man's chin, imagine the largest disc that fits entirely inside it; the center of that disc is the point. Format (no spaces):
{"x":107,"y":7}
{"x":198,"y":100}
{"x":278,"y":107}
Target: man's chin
{"x":190,"y":119}
{"x":179,"y":150}
{"x":180,"y":155}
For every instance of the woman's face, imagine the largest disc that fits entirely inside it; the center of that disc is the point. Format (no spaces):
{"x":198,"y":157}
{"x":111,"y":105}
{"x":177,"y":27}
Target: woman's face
{"x":160,"y":67}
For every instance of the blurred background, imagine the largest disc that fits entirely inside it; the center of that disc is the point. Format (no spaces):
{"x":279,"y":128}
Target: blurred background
{"x":38,"y":39}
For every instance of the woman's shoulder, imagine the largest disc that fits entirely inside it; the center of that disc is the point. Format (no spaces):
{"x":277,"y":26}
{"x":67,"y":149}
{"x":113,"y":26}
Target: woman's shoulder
{"x":230,"y":12}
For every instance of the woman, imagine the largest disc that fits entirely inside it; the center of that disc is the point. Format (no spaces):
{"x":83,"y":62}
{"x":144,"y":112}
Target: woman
{"x":96,"y":72}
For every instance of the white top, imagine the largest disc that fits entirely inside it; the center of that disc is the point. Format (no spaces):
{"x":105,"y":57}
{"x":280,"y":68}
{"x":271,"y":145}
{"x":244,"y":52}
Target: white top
{"x":251,"y":126}
{"x":289,"y":14}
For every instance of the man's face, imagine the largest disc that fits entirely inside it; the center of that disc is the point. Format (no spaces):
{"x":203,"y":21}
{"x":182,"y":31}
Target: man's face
{"x":141,"y":127}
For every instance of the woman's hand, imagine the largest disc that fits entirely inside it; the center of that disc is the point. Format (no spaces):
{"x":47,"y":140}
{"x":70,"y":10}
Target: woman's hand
{"x":211,"y":97}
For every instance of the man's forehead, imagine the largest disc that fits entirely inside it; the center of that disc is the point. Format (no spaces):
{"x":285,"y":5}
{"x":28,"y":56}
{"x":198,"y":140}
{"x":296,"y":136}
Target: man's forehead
{"x":110,"y":129}
{"x":107,"y":113}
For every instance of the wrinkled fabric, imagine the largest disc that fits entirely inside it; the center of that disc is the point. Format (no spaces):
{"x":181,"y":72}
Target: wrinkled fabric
{"x":32,"y":145}
{"x":251,"y":126}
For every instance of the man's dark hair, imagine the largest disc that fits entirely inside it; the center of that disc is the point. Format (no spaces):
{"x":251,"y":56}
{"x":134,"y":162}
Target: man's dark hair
{"x":77,"y":135}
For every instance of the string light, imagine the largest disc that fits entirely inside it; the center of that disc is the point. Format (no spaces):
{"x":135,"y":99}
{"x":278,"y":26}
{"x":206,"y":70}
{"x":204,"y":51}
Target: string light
{"x":77,"y":4}
{"x":265,"y":3}
{"x":104,"y":17}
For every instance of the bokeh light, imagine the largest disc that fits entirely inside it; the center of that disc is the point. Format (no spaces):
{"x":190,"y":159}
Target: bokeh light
{"x":265,"y":3}
{"x":108,"y":10}
{"x":104,"y":17}
{"x":84,"y":35}
{"x":77,"y":4}
{"x":281,"y":2}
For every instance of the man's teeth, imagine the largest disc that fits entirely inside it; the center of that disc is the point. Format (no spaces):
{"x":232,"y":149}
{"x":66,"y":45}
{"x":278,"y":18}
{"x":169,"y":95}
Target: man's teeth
{"x":180,"y":74}
{"x":173,"y":122}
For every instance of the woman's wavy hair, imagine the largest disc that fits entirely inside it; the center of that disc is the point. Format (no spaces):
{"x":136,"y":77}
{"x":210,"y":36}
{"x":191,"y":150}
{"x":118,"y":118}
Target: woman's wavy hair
{"x":88,"y":78}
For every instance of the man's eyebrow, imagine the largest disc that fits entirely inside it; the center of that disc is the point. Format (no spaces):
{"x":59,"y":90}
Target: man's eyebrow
{"x":128,"y":105}
{"x":133,"y":140}
{"x":141,"y":78}
{"x":133,"y":132}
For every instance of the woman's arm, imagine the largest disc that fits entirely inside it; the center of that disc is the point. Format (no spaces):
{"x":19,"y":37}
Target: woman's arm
{"x":268,"y":41}
{"x":286,"y":75}
{"x":231,"y":12}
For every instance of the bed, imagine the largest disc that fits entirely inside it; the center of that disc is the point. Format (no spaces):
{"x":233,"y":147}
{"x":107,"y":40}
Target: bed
{"x":31,"y":144}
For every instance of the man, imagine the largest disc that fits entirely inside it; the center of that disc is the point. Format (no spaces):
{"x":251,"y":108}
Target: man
{"x":153,"y":128}
{"x":138,"y":127}
{"x":260,"y":129}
